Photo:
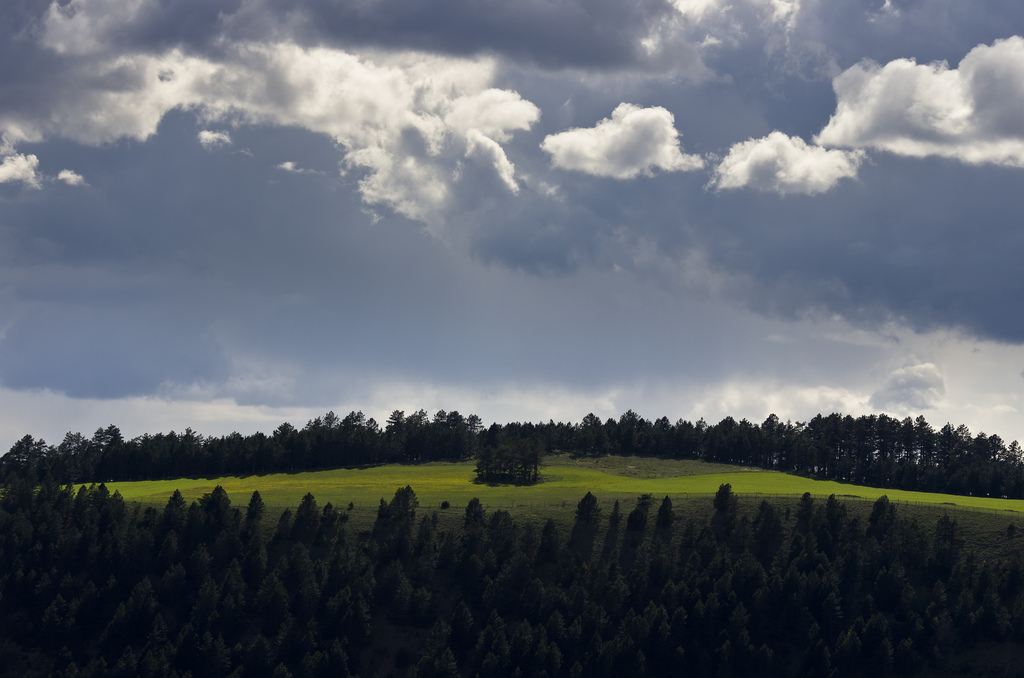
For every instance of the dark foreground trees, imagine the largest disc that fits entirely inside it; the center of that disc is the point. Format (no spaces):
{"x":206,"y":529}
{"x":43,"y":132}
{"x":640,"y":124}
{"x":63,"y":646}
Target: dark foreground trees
{"x":91,"y":586}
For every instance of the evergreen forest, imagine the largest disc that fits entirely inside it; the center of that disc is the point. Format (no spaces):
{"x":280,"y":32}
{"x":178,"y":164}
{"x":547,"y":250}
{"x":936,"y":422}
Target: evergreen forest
{"x":91,"y":586}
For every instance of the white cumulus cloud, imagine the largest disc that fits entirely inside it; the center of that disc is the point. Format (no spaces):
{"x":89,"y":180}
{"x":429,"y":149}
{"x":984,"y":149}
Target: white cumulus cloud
{"x":19,"y":167}
{"x":487,"y":119}
{"x":481,"y":146}
{"x":71,"y":178}
{"x":494,"y":113}
{"x":694,"y":10}
{"x":209,"y":139}
{"x":973,"y":113}
{"x":632,"y":142}
{"x":404,"y":119}
{"x":772,"y":11}
{"x":293,"y":167}
{"x":914,"y":387}
{"x":784,"y":164}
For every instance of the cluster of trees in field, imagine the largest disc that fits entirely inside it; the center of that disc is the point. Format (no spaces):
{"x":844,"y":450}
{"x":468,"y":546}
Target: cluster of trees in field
{"x":875,"y":450}
{"x":518,"y":462}
{"x":91,"y":586}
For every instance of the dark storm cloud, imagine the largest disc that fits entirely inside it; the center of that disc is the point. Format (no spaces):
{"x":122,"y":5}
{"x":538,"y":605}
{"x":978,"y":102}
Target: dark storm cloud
{"x":24,"y":64}
{"x":597,"y":35}
{"x":119,"y":287}
{"x":197,"y":24}
{"x":931,"y":245}
{"x":601,"y":33}
{"x":548,"y":32}
{"x":204,"y":266}
{"x":151,"y":25}
{"x":164,"y":273}
{"x":928,"y":30}
{"x":539,"y":238}
{"x":608,"y":33}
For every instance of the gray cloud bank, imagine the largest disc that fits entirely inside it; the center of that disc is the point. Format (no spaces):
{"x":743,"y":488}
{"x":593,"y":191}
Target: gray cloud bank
{"x":273,"y":202}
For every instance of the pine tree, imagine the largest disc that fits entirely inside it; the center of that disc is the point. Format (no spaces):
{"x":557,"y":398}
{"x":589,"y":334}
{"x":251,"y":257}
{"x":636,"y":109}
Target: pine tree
{"x":587,"y":510}
{"x":307,"y":521}
{"x":254,"y":517}
{"x":665,"y":515}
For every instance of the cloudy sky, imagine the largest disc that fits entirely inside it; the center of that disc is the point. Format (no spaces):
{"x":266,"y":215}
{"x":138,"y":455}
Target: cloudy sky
{"x":226,"y":214}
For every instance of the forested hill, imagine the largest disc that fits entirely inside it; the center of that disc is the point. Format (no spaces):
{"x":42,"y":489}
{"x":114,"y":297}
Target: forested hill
{"x":875,"y":450}
{"x":91,"y":587}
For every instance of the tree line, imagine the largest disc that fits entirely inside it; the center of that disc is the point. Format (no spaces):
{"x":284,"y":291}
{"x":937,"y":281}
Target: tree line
{"x":875,"y":450}
{"x":92,"y":586}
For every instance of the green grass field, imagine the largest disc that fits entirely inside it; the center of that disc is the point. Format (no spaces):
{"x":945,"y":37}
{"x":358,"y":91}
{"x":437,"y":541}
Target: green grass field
{"x":563,"y":480}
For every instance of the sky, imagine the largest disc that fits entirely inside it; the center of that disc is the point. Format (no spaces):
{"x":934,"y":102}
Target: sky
{"x":227,"y":214}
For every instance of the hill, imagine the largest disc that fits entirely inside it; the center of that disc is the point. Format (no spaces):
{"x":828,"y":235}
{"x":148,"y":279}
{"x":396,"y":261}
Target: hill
{"x":91,"y":585}
{"x":563,"y":478}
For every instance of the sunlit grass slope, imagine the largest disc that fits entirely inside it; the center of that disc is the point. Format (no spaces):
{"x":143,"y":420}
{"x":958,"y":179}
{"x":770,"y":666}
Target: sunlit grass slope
{"x":563,"y":479}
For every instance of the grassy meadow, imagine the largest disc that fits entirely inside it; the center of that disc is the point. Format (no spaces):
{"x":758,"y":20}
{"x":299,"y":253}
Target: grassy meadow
{"x":564,"y":480}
